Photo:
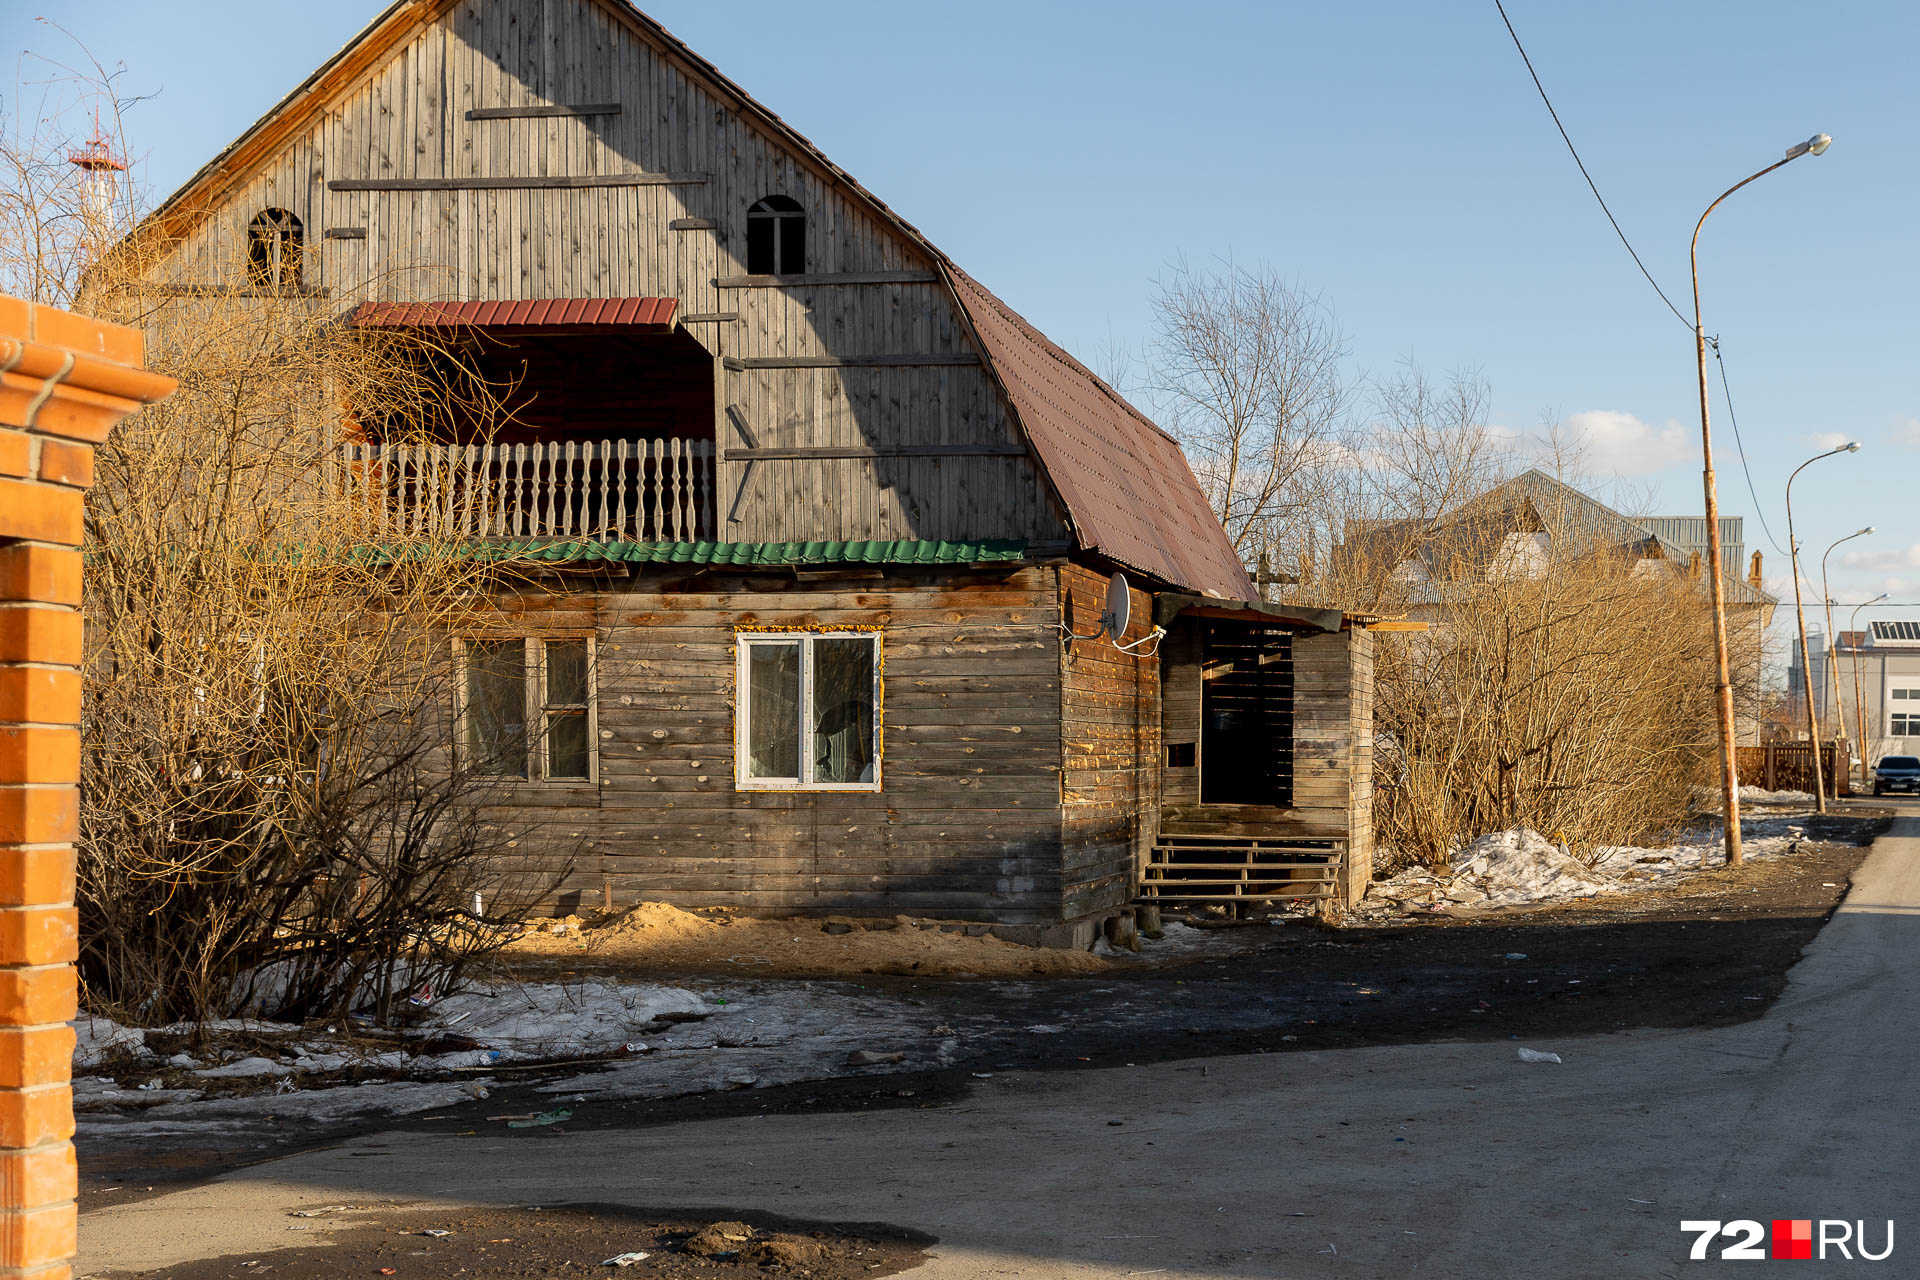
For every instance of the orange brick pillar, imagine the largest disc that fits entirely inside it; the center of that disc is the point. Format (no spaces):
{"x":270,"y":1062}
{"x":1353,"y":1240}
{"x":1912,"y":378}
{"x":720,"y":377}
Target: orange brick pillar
{"x":65,"y":381}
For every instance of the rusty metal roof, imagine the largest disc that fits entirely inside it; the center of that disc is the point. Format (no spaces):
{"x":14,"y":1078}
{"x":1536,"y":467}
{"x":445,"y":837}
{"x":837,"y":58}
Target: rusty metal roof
{"x":1126,"y":484}
{"x":537,"y":313}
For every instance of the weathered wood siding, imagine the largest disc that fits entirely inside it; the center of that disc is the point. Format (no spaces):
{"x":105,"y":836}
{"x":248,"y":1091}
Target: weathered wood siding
{"x":1110,"y":732}
{"x":690,"y":162}
{"x":1358,"y":872}
{"x":967,"y":824}
{"x":1180,"y":664}
{"x":1323,"y":730}
{"x":1332,"y":744}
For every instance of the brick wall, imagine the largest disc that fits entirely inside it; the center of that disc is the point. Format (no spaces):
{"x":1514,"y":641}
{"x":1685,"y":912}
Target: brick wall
{"x":65,"y":380}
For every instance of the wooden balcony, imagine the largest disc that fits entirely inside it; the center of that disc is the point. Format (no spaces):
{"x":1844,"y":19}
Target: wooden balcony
{"x":644,"y":490}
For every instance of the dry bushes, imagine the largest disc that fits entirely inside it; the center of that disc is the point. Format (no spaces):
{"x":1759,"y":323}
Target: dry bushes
{"x":1566,"y":681}
{"x":274,"y":815}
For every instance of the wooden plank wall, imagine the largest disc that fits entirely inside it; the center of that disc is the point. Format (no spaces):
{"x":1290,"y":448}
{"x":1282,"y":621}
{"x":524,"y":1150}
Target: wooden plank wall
{"x":1358,"y":872}
{"x":1110,"y":733}
{"x":407,"y":119}
{"x":1323,"y":729}
{"x":967,"y":825}
{"x":1332,"y":722}
{"x":1181,"y":656}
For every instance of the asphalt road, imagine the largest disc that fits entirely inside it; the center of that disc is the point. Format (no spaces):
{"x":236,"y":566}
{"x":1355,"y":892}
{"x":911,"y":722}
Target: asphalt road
{"x":1449,"y":1160}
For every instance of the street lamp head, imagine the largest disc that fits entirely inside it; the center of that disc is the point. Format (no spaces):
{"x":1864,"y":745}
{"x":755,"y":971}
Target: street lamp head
{"x":1816,"y":145}
{"x":1864,"y":532}
{"x":1853,"y":446}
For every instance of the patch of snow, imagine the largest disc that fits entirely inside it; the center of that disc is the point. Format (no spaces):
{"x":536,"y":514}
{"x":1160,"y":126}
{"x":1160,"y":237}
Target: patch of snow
{"x":1760,"y":795}
{"x":1518,"y":867}
{"x":552,"y":1020}
{"x":95,"y":1038}
{"x":245,"y":1067}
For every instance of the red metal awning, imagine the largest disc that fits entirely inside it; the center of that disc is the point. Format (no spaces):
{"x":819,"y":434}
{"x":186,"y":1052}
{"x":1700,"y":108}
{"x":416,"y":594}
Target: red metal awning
{"x":579,"y":315}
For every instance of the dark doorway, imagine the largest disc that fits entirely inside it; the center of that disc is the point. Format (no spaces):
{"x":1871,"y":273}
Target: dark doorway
{"x":1246,"y":716}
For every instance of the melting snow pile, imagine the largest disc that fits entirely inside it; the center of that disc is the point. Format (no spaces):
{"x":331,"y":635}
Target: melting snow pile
{"x":1520,"y":866}
{"x":1760,"y":795}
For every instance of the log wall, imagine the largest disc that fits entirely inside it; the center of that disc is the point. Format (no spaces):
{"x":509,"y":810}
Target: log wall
{"x":967,"y":824}
{"x":1110,"y":733}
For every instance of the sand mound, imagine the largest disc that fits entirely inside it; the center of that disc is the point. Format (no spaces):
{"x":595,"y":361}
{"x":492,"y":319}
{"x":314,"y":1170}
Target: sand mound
{"x":654,"y":935}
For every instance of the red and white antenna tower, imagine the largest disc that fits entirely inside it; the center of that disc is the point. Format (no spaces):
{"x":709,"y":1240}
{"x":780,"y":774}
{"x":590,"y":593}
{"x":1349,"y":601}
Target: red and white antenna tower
{"x":102,"y":166}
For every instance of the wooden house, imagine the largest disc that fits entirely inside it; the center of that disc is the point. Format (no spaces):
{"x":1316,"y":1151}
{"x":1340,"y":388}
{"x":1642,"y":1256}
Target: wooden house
{"x":825,"y":515}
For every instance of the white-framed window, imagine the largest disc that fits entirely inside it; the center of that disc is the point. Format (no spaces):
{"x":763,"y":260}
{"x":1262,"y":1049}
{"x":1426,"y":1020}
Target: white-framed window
{"x":808,"y":716}
{"x":1903,"y":713}
{"x":526,"y":708}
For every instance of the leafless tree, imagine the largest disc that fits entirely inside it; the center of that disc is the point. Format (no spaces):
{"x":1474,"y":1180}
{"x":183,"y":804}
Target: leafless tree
{"x":1249,"y":372}
{"x":274,"y":812}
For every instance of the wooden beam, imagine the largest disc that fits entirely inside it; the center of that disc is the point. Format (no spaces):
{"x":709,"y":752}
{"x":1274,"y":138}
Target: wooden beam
{"x":860,"y":451}
{"x":827,"y":277}
{"x":710,"y":317}
{"x":346,"y":233}
{"x":526,"y":113}
{"x":563,"y":182}
{"x":1396,"y":624}
{"x":168,"y":290}
{"x":739,"y":363}
{"x":692,"y":224}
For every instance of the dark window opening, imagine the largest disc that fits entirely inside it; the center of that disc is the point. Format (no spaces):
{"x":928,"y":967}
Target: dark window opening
{"x":1246,"y":716}
{"x":273,"y":250}
{"x":1180,"y":755}
{"x":776,"y":237}
{"x":496,"y":711}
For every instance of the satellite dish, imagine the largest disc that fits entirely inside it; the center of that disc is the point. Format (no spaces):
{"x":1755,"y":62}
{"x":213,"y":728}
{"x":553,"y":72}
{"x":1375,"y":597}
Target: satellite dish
{"x":1119,"y":607}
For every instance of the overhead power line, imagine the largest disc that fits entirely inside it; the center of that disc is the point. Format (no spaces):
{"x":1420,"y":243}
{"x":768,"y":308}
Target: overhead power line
{"x":1758,"y":510}
{"x":1575,"y":152}
{"x":1740,"y":444}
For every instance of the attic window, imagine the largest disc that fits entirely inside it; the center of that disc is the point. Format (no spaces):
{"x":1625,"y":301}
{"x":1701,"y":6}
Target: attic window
{"x":273,"y":250}
{"x":776,"y":237}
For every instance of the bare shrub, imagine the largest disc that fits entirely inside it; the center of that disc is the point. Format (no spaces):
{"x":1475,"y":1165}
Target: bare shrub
{"x":274,"y":812}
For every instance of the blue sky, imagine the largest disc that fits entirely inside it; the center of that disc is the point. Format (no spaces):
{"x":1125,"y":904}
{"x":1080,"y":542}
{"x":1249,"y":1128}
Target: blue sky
{"x":1391,"y":156}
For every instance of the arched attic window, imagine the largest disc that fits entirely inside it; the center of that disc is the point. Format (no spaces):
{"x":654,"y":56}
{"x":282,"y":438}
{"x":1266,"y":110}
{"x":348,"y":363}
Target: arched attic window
{"x":273,"y":250}
{"x":776,"y":237}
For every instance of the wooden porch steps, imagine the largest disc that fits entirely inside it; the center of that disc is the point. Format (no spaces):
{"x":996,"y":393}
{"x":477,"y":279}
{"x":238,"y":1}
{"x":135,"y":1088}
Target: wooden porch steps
{"x":1193,"y":867}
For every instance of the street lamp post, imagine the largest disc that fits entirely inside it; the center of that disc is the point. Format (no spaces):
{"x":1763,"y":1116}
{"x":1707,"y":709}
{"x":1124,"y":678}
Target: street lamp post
{"x":1729,"y":776}
{"x":1800,"y":612}
{"x":1859,"y":694}
{"x":1830,"y":683}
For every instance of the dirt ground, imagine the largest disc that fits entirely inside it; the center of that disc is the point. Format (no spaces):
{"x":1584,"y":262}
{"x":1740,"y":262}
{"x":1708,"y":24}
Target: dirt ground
{"x":397,"y":1240}
{"x":1708,"y":949}
{"x":656,"y":936}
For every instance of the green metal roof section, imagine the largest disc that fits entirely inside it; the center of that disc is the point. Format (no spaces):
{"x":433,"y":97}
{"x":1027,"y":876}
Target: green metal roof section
{"x":758,"y":554}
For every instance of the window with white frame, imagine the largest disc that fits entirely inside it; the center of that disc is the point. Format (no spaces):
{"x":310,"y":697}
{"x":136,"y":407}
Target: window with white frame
{"x":527,"y":708}
{"x":809,"y":711}
{"x":1903,"y":713}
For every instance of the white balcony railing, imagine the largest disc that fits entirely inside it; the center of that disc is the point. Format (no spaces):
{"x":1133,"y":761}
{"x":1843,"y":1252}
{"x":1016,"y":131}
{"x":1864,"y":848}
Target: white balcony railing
{"x":645,"y":490}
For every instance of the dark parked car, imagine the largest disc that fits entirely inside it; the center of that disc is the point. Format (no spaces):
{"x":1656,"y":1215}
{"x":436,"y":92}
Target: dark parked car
{"x":1896,"y":773}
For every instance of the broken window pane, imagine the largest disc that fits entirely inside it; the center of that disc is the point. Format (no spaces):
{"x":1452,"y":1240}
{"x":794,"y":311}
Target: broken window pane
{"x":497,"y":707}
{"x":843,"y":710}
{"x":773,"y":718}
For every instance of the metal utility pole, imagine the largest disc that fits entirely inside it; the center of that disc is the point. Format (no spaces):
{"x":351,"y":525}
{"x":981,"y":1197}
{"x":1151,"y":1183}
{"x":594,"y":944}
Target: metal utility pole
{"x":1729,"y":774}
{"x":1831,"y":681}
{"x":1859,"y":693}
{"x":1800,"y":612}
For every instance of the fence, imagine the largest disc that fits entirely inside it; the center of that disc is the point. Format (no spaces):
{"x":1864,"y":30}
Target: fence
{"x":640,"y":490}
{"x":1788,"y":766}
